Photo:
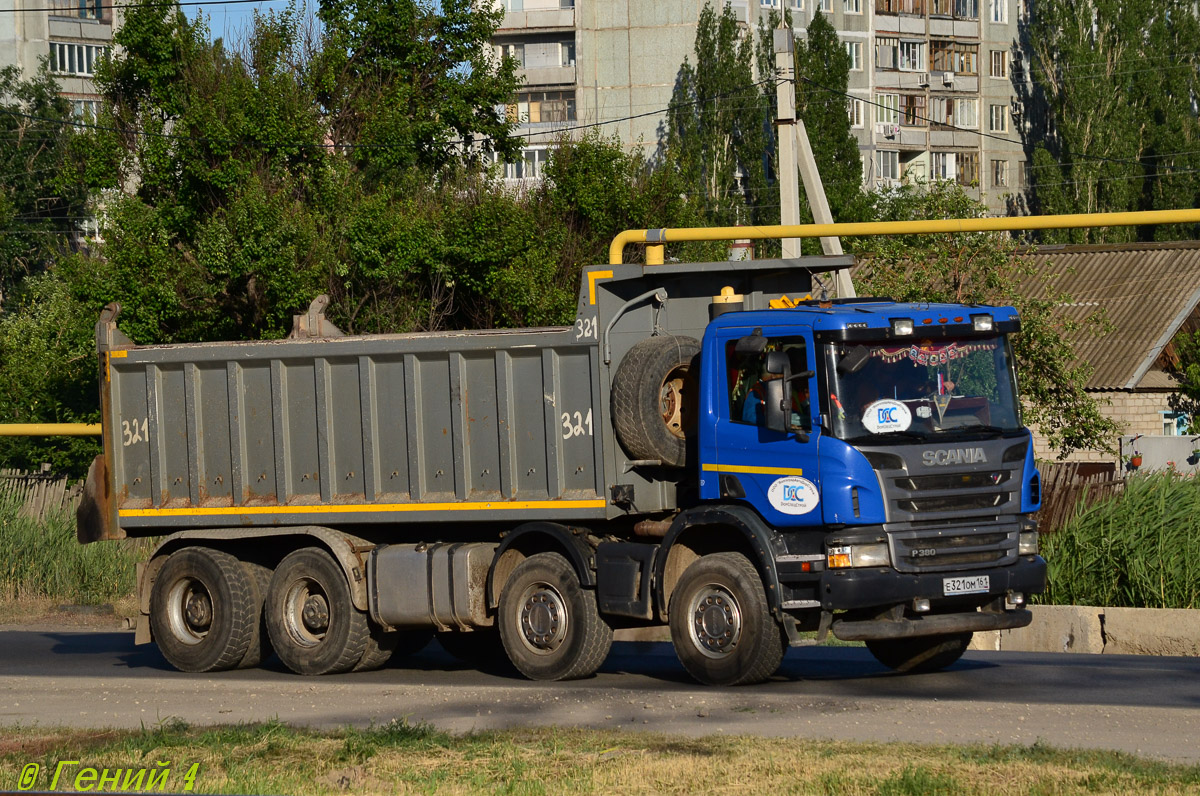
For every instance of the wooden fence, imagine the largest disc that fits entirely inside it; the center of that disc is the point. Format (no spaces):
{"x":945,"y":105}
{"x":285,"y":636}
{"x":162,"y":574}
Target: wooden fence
{"x":40,"y":492}
{"x":1065,"y":484}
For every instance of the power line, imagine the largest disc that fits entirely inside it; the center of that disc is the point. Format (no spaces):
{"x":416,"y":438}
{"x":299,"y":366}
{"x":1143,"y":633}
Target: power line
{"x":148,"y":4}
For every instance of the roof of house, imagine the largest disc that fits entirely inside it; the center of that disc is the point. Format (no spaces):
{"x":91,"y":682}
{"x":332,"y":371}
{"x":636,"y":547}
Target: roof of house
{"x":1147,"y":291}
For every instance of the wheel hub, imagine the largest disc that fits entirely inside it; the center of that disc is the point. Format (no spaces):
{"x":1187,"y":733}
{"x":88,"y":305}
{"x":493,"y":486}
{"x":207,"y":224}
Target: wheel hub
{"x":671,"y":404}
{"x":543,"y":619}
{"x":316,"y":613}
{"x":716,"y":624}
{"x":198,"y":611}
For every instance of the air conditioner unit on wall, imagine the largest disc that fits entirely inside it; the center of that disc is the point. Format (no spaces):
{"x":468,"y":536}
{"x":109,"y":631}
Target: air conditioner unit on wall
{"x":948,"y":79}
{"x":923,"y":79}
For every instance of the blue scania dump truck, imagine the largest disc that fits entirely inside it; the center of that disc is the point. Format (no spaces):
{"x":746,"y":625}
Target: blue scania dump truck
{"x":706,"y":447}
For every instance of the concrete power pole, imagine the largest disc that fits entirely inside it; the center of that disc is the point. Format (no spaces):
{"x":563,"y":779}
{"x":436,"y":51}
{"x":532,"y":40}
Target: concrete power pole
{"x":793,"y":138}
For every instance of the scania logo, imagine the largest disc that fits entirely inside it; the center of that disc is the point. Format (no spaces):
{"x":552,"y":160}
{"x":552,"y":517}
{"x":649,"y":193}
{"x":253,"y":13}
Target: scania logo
{"x":945,"y":456}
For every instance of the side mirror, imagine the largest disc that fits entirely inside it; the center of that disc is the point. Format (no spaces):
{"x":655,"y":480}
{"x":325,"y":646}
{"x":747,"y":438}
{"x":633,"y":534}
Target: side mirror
{"x":774,"y":407}
{"x":778,"y":362}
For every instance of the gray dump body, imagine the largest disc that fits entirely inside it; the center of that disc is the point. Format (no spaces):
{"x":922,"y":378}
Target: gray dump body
{"x":484,"y":426}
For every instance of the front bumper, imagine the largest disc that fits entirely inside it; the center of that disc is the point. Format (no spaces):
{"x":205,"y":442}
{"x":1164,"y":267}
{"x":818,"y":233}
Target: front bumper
{"x":849,"y":589}
{"x":930,"y":625}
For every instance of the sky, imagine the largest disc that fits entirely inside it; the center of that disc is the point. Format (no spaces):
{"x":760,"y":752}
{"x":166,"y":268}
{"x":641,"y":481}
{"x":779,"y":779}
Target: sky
{"x":232,"y":22}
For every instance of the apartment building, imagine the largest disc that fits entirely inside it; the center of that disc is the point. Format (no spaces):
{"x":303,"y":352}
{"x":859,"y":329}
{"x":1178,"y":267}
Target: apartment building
{"x":72,"y":34}
{"x":930,"y":83}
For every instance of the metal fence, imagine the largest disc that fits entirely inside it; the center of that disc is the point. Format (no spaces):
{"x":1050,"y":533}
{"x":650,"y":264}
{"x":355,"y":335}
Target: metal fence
{"x":40,"y":492}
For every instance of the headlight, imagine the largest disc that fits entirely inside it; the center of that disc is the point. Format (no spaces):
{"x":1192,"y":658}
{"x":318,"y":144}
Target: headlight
{"x":1027,"y":543}
{"x":902,"y":326}
{"x":982,"y":323}
{"x":859,"y":555}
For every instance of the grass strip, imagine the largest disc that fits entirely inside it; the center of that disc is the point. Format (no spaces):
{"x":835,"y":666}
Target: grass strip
{"x":403,"y":758}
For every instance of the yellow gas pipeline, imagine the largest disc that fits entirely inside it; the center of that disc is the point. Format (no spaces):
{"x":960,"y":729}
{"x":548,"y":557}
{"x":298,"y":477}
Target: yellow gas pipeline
{"x":655,"y":238}
{"x":49,"y":429}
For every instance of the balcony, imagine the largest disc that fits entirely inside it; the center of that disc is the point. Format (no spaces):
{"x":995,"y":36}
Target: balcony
{"x":538,"y":19}
{"x":548,"y":76}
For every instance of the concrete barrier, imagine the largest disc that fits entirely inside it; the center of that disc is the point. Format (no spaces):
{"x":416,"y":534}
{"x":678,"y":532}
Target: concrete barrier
{"x":1066,"y":628}
{"x":1090,"y":629}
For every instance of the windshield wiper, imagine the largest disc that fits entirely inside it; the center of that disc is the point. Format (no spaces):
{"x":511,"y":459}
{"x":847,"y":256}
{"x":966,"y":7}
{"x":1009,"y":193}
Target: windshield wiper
{"x":979,"y":429}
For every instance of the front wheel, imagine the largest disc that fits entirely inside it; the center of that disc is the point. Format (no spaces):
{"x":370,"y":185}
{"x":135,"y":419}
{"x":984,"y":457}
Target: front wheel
{"x":920,"y":654}
{"x":311,"y":618}
{"x":721,"y":625}
{"x":549,"y":623}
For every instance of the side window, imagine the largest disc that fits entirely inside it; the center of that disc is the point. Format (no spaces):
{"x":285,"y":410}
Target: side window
{"x":746,"y":377}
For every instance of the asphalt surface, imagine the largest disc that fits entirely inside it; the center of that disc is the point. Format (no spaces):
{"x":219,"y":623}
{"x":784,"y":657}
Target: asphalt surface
{"x":1145,"y":705}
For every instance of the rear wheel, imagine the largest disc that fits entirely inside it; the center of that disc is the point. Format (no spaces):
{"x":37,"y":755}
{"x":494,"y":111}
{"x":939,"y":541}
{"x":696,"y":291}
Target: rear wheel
{"x":920,"y":654}
{"x":721,"y":625}
{"x":260,"y":641}
{"x":549,"y":623}
{"x":313,"y":624}
{"x":202,"y":610}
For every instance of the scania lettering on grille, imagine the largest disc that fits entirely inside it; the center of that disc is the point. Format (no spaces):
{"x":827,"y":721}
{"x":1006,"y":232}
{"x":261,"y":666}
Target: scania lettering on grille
{"x":944,"y":456}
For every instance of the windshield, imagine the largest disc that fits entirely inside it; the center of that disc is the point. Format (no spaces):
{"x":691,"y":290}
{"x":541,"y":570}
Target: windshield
{"x":923,"y":390}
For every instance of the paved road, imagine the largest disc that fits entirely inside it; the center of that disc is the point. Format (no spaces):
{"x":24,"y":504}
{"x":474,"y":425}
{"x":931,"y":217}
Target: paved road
{"x":1145,"y":705}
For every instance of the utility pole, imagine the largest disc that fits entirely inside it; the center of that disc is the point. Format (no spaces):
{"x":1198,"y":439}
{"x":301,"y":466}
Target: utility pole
{"x":793,"y":137}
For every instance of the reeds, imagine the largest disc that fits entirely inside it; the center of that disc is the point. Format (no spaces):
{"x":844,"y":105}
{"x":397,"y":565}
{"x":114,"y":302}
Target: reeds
{"x":1139,"y":549}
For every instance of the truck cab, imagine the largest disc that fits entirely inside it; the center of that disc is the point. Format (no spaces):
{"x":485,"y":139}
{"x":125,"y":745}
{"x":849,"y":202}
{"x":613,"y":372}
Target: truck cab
{"x":881,"y":444}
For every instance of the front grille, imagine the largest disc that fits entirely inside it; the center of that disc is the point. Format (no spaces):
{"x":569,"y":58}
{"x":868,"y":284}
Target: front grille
{"x":925,"y":551}
{"x":952,"y":503}
{"x":918,"y":483}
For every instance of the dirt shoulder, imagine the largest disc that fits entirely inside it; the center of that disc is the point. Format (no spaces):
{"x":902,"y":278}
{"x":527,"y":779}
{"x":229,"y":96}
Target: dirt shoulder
{"x":43,"y":613}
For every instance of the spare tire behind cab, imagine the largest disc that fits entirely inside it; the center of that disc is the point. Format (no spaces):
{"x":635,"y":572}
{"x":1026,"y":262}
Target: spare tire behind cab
{"x":654,"y":398}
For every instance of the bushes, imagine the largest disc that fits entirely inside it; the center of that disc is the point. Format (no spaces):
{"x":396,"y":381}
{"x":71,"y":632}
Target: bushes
{"x":1139,"y":550}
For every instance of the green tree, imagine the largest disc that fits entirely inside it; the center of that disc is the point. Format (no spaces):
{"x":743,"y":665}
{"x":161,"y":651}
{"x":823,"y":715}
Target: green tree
{"x":1113,"y":121}
{"x":412,"y":83}
{"x":822,"y":77}
{"x":41,"y":204}
{"x":716,"y":131}
{"x":983,"y":268}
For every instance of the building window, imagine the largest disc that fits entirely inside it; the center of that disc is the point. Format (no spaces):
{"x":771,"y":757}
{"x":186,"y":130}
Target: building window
{"x":528,"y":165}
{"x":85,"y":110}
{"x":998,"y":123}
{"x":541,"y":107}
{"x":912,"y":56}
{"x":567,"y":53}
{"x":951,"y":56}
{"x":75,"y":59}
{"x":955,"y":111}
{"x":915,"y":7}
{"x":967,"y":166}
{"x":887,"y":52}
{"x":912,"y":110}
{"x":856,"y":109}
{"x":513,"y":51}
{"x":998,"y":11}
{"x":852,"y":6}
{"x":854,"y":51}
{"x":887,"y":108}
{"x":826,"y":6}
{"x":999,"y":63}
{"x":941,"y":8}
{"x":999,"y":173}
{"x":966,"y":9}
{"x":82,"y":9}
{"x":942,"y":166}
{"x":887,"y":164}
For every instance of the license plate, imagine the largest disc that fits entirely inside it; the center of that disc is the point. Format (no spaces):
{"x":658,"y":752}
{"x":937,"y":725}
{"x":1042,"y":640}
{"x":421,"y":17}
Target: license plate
{"x":976,"y":585}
